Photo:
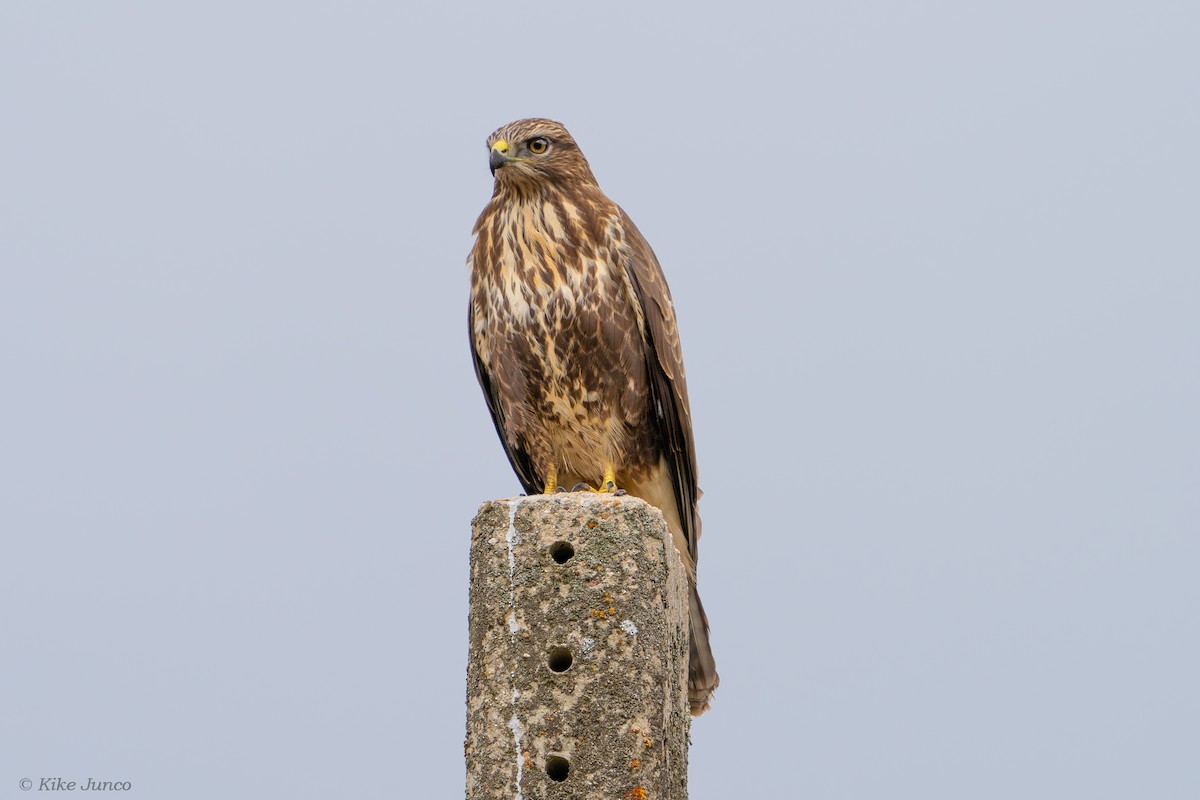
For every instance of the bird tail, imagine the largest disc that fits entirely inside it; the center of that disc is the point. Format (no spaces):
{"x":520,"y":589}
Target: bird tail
{"x":702,"y":668}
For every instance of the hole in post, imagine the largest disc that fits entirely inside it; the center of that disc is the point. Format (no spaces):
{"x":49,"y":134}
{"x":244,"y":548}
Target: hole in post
{"x":560,"y":659}
{"x":557,"y":768}
{"x":562,"y":552}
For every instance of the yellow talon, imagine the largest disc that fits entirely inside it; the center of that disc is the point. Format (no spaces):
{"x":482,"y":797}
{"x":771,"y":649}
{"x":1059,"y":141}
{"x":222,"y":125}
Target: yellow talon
{"x":551,"y":480}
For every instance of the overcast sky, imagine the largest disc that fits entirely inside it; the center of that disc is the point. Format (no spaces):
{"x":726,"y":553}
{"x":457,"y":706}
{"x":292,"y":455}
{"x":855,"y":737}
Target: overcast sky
{"x":937,"y":270}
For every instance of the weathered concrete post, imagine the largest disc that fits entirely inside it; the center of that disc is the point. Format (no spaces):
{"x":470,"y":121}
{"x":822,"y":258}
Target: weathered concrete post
{"x":577,"y":674}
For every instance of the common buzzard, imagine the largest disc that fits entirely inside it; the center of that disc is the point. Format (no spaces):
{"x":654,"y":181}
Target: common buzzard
{"x":576,"y":347}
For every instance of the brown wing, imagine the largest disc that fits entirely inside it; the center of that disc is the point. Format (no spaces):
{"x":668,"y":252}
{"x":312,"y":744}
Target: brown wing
{"x":668,"y":385}
{"x":520,"y":460}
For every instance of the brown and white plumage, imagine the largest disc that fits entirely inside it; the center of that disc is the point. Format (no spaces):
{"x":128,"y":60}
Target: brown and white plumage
{"x":576,"y":346}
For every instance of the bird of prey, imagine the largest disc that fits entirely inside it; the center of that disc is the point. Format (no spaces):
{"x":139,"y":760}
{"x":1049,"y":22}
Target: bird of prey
{"x":576,"y":347}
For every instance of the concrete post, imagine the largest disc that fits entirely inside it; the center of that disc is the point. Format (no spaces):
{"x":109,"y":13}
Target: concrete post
{"x":577,"y":674}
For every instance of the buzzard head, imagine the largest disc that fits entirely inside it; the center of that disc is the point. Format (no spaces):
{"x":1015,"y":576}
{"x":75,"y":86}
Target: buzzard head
{"x":532,"y":152}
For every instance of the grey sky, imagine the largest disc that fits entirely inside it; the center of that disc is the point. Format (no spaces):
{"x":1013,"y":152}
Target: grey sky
{"x":936,"y":268}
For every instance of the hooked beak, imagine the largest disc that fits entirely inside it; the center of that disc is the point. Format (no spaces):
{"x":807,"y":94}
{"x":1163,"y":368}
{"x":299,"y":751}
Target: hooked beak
{"x":499,"y":156}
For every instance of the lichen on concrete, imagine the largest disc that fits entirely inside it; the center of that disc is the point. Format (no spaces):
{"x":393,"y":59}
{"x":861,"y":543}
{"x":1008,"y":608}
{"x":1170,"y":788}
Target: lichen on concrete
{"x":616,"y":610}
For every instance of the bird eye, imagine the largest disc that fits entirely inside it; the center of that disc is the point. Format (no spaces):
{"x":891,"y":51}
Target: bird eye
{"x":539,"y":145}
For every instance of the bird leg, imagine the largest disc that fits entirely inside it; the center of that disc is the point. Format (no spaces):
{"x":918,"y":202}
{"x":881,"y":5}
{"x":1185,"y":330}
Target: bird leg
{"x":609,"y":484}
{"x":552,"y":481}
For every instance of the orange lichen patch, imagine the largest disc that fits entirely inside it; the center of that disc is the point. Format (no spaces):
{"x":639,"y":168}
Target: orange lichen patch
{"x":647,"y":743}
{"x":591,"y":523}
{"x":635,"y":764}
{"x":604,"y":613}
{"x":528,"y":762}
{"x":636,"y":793}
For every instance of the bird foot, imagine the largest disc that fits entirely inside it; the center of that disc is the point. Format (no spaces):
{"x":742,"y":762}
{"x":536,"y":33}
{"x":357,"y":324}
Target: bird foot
{"x":609,"y":487}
